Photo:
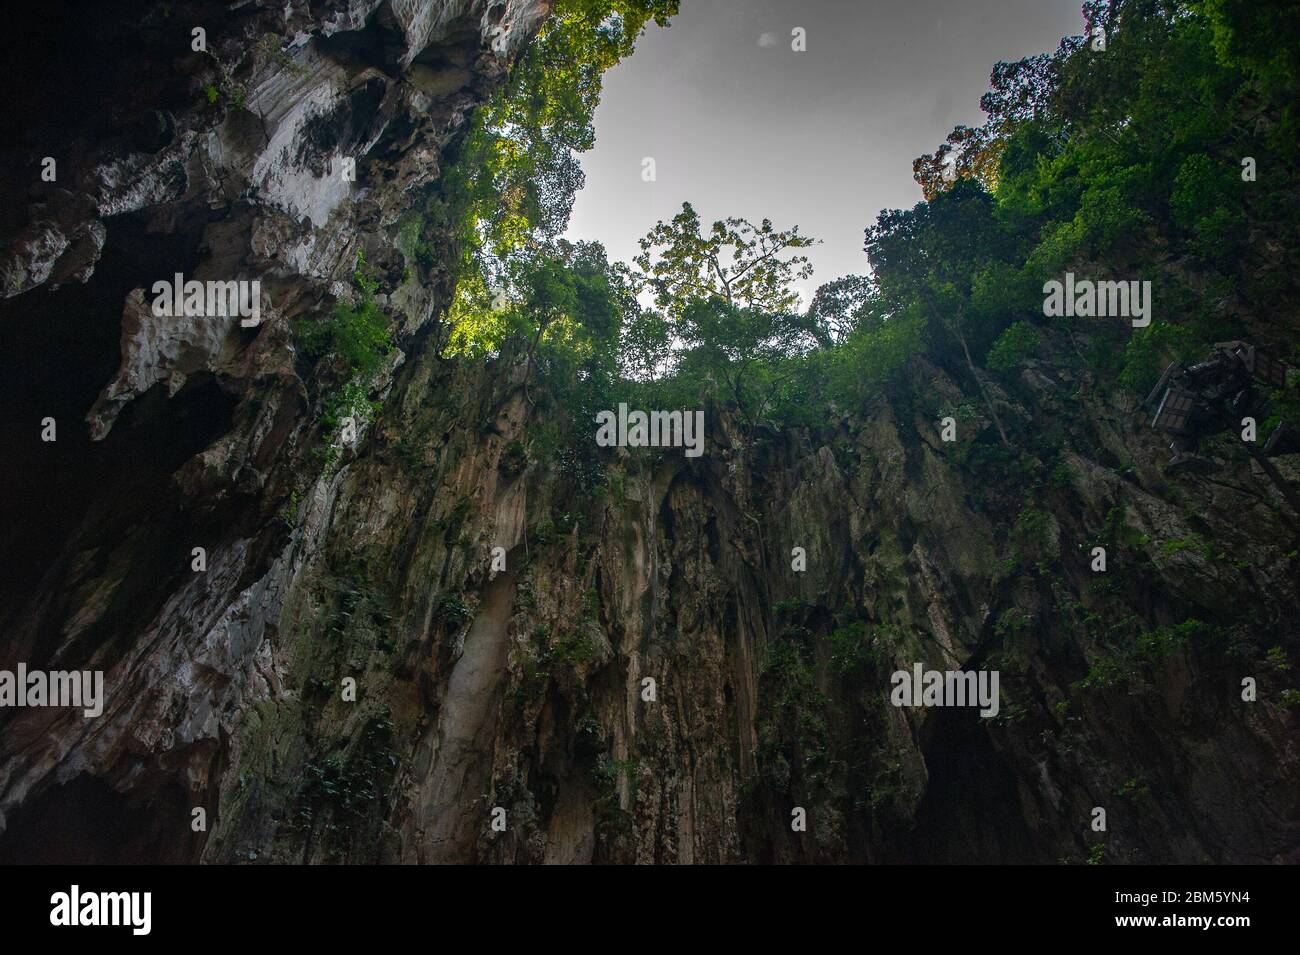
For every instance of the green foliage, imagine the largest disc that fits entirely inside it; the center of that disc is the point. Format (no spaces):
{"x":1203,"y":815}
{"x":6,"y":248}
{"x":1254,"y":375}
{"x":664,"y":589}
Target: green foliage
{"x":356,"y":336}
{"x":564,"y":305}
{"x":1119,"y":171}
{"x":872,"y":359}
{"x":933,"y":265}
{"x":571,"y":650}
{"x":291,"y":510}
{"x":1150,"y":350}
{"x":724,"y":318}
{"x":1013,"y":346}
{"x":838,"y":307}
{"x":744,"y":265}
{"x":613,"y":823}
{"x":477,"y":327}
{"x":1206,"y":200}
{"x":518,"y":172}
{"x":793,"y":738}
{"x":1128,"y":171}
{"x":1263,"y":39}
{"x":851,"y":649}
{"x":521,"y":290}
{"x":353,"y":342}
{"x":1192,"y":542}
{"x":1133,"y":788}
{"x":1032,"y":529}
{"x":411,"y":241}
{"x":1148,"y":650}
{"x":1011,"y":622}
{"x":452,"y":610}
{"x":514,"y":459}
{"x":789,"y":607}
{"x":750,"y":353}
{"x":338,"y":791}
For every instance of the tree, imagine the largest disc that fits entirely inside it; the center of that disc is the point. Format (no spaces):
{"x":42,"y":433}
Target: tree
{"x":931,"y":255}
{"x":1019,"y":92}
{"x":646,"y":347}
{"x":518,"y":172}
{"x":744,"y":265}
{"x":725,"y":306}
{"x":1261,"y":38}
{"x":839,"y":306}
{"x":751,"y":351}
{"x":562,"y":302}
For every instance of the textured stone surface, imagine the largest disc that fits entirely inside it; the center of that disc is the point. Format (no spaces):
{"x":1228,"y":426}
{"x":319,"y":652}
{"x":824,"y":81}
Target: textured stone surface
{"x":523,"y":690}
{"x":220,"y":165}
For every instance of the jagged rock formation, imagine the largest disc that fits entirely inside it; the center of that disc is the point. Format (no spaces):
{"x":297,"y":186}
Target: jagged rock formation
{"x":523,"y":688}
{"x":174,"y":432}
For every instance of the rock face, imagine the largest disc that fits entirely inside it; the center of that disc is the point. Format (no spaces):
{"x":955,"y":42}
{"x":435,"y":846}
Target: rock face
{"x":275,"y":143}
{"x":648,"y":679}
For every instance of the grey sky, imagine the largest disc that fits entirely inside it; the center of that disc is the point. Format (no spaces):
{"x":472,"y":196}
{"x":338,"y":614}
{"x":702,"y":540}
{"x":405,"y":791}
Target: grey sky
{"x":740,"y":124}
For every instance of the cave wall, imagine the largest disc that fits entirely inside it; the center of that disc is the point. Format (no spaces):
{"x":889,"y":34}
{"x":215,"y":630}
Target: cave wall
{"x":522,"y":689}
{"x":220,"y":163}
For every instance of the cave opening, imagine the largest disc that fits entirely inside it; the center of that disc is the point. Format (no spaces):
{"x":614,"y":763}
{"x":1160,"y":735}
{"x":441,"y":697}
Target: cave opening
{"x":86,"y":822}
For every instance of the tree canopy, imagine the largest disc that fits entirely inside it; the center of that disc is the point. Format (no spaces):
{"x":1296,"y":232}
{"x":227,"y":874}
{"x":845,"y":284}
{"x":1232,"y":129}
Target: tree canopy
{"x":1120,"y":156}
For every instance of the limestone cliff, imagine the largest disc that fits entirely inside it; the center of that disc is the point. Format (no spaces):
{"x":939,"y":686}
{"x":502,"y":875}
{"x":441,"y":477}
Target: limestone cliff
{"x":524,"y":689}
{"x":207,"y":140}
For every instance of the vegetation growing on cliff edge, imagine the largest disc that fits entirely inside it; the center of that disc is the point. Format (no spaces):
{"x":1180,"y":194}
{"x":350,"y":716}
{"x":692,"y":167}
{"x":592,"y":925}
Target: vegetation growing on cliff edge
{"x":1050,"y":185}
{"x":1122,"y":161}
{"x":1118,"y":162}
{"x":505,"y":202}
{"x":353,"y":341}
{"x":519,"y":170}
